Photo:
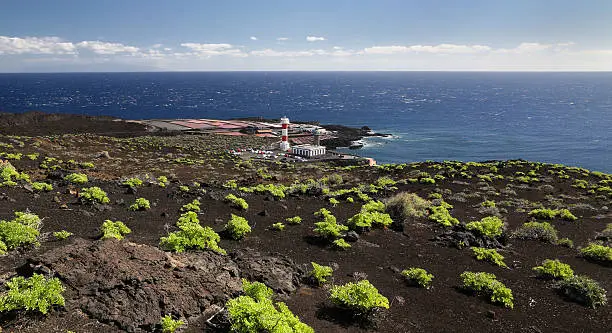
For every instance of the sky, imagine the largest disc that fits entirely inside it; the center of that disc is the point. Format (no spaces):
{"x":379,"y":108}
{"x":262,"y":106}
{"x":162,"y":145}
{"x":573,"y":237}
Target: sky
{"x":267,"y":35}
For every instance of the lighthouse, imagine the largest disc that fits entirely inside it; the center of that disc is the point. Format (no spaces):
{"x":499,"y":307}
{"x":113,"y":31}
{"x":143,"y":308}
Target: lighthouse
{"x":284,"y":146}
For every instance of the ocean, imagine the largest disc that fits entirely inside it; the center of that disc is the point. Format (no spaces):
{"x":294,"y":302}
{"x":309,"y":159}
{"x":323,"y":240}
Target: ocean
{"x":467,"y":116}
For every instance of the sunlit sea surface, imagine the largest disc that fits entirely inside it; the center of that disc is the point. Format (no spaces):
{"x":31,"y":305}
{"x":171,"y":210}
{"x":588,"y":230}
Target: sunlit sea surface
{"x":550,"y":117}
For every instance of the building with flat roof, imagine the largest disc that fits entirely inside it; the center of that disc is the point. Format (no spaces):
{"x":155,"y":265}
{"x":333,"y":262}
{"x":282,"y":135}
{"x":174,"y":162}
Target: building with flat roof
{"x":307,"y":150}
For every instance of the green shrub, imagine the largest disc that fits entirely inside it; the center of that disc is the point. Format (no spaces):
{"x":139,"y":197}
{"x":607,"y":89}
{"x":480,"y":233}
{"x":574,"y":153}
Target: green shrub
{"x":93,"y":195}
{"x":543,"y":231}
{"x":435,"y":195}
{"x":334,"y":202}
{"x":441,"y":215}
{"x":488,"y":203}
{"x":554,"y":269}
{"x":328,"y":228}
{"x":566,"y":242}
{"x":193,"y":206}
{"x":361,"y":297}
{"x":8,"y":174}
{"x":183,"y":188}
{"x":140,"y":204}
{"x":77,"y":178}
{"x":116,"y":230}
{"x":39,"y":187}
{"x":231,"y":184}
{"x":192,"y":236}
{"x":237,"y":202}
{"x":132,"y":182}
{"x":61,"y":235}
{"x":34,"y":293}
{"x":583,"y":290}
{"x":418,"y":276}
{"x":341,"y":244}
{"x":490,"y":255}
{"x":427,"y":180}
{"x":256,"y":312}
{"x":598,"y":252}
{"x":87,"y":165}
{"x":549,"y":214}
{"x":350,"y":200}
{"x":487,"y":284}
{"x":294,"y":220}
{"x":278,"y":226}
{"x":373,"y":206}
{"x":371,"y":214}
{"x":22,"y":230}
{"x":170,"y":325}
{"x":237,"y":227}
{"x":490,"y":226}
{"x":320,"y":273}
{"x":162,"y":181}
{"x":566,"y":215}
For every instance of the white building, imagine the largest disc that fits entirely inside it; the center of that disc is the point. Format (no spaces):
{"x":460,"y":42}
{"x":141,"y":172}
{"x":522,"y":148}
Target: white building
{"x":308,"y":150}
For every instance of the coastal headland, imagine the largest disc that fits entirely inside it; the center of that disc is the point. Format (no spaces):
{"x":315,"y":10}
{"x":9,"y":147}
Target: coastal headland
{"x":182,"y":248}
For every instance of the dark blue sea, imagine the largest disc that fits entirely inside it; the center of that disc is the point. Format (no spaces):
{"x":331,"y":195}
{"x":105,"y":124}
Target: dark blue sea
{"x":550,"y":117}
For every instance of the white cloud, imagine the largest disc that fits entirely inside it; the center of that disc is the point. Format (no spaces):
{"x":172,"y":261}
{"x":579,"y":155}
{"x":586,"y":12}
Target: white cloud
{"x":282,"y":39}
{"x":157,"y":46}
{"x":214,"y":49}
{"x":105,"y":48}
{"x":35,"y":45}
{"x":441,"y":48}
{"x":314,"y":38}
{"x":288,"y":54}
{"x":253,"y":38}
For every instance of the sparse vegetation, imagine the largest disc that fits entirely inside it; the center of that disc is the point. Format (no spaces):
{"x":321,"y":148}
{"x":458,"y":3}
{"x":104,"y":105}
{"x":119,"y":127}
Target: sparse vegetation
{"x":293,"y":220}
{"x":278,"y":226}
{"x":77,"y":178}
{"x":598,"y":252}
{"x":320,"y":273}
{"x":440,"y":214}
{"x":361,"y":297}
{"x":32,"y":294}
{"x":554,"y":269}
{"x":193,"y":206}
{"x":490,"y":226}
{"x":132,"y":182}
{"x":583,"y":290}
{"x":61,"y":235}
{"x":23,"y":230}
{"x":140,"y":204}
{"x":93,"y":195}
{"x":116,"y":230}
{"x":418,"y":276}
{"x":486,"y":283}
{"x":237,"y":227}
{"x":237,"y":202}
{"x":543,"y":231}
{"x":490,"y":255}
{"x":169,"y":325}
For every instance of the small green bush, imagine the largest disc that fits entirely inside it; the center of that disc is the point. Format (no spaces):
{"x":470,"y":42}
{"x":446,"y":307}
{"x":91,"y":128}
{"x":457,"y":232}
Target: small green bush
{"x":294,"y":220}
{"x":170,"y":325}
{"x":256,"y":312}
{"x":487,"y":283}
{"x":341,"y":244}
{"x":77,"y":178}
{"x":329,"y":228}
{"x":140,"y":204}
{"x":34,"y":293}
{"x":361,"y":297}
{"x":490,"y":226}
{"x":162,"y":181}
{"x":116,"y":230}
{"x":39,"y":187}
{"x":488,"y":203}
{"x":21,"y":231}
{"x":132,"y":182}
{"x":193,"y":206}
{"x":278,"y":226}
{"x":334,"y":202}
{"x":490,"y":255}
{"x":237,"y":202}
{"x":61,"y":235}
{"x":566,"y":215}
{"x":192,"y":236}
{"x":441,"y":215}
{"x":407,"y":205}
{"x":549,"y":214}
{"x":554,"y":269}
{"x":368,"y":219}
{"x":566,"y":242}
{"x":598,"y":252}
{"x":320,"y":273}
{"x":583,"y":290}
{"x":93,"y":195}
{"x":418,"y":276}
{"x":543,"y":231}
{"x":237,"y":227}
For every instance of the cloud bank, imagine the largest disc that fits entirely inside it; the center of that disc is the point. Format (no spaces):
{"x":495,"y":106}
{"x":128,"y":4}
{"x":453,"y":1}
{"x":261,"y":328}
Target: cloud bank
{"x":20,"y":53}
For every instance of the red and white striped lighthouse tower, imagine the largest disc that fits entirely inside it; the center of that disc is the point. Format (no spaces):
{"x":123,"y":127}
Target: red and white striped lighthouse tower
{"x":284,"y":146}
